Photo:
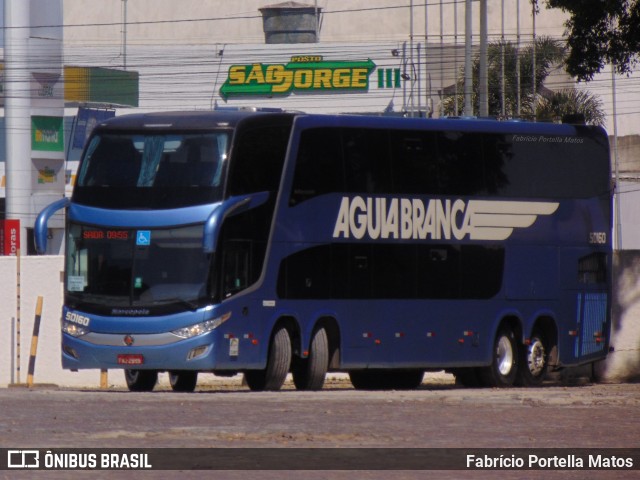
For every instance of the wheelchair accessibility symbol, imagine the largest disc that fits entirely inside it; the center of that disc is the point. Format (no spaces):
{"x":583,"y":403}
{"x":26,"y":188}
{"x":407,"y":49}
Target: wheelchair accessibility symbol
{"x":143,"y":237}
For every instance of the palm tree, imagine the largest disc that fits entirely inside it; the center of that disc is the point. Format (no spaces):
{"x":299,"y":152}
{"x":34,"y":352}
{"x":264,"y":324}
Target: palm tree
{"x":549,"y":53}
{"x":572,"y":102}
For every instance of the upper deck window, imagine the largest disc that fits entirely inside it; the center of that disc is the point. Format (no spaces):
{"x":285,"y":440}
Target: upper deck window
{"x":448,"y":162}
{"x":159,"y":170}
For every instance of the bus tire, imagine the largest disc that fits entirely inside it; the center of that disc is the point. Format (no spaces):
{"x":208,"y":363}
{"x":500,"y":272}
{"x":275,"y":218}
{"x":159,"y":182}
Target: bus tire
{"x":309,"y":373}
{"x":272,"y":378}
{"x":504,"y":362}
{"x":183,"y":380}
{"x":533,"y":362}
{"x":141,"y":380}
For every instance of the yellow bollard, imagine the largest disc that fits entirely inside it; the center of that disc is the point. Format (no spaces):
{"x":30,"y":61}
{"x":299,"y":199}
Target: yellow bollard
{"x":104,"y":379}
{"x":34,"y":342}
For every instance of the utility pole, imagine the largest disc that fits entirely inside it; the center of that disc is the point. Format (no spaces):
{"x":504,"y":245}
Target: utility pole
{"x":315,"y":5}
{"x":503,"y":82}
{"x":17,"y":104}
{"x":455,"y":57}
{"x":534,"y":95}
{"x":468,"y":74}
{"x":483,"y":81}
{"x":124,"y":34}
{"x":618,"y":230}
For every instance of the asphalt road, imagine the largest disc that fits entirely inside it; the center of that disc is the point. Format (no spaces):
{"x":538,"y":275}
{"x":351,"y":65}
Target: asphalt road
{"x":438,"y":415}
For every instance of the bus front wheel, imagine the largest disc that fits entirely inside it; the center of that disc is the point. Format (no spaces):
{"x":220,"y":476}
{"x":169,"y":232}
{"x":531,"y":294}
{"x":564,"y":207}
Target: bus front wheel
{"x":183,"y":380}
{"x":504,"y":362}
{"x":309,"y":373}
{"x":141,"y":380}
{"x":278,"y":363}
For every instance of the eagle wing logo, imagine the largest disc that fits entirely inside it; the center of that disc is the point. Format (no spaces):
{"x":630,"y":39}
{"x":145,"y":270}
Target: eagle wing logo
{"x":496,"y":220}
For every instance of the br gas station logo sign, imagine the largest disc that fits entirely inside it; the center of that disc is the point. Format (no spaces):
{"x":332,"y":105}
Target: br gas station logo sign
{"x":302,"y":74}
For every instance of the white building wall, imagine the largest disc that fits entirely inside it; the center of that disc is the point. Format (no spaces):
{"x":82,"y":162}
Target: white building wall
{"x":39,"y":276}
{"x":167,"y":22}
{"x":42,"y":276}
{"x":180,"y":41}
{"x":630,"y":215}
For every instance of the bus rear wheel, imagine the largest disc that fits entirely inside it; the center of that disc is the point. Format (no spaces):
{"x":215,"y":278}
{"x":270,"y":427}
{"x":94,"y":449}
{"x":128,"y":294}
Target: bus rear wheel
{"x":278,"y":364}
{"x":309,"y":373}
{"x":183,"y":380}
{"x":504,"y":362}
{"x":533,"y":362}
{"x":141,"y":380}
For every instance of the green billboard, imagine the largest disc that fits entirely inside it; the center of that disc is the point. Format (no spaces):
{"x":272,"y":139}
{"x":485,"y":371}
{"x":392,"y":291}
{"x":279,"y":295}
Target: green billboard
{"x":302,"y":74}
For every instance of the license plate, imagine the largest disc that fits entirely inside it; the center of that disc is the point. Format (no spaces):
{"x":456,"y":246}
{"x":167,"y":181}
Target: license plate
{"x":130,"y":359}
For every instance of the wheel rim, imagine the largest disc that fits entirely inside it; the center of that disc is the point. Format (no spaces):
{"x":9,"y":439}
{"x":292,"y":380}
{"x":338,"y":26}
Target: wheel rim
{"x":505,"y":356}
{"x":535,"y":357}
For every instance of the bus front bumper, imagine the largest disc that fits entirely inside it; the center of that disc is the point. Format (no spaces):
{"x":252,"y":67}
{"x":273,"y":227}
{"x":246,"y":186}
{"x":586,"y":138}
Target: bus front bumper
{"x":139,"y":351}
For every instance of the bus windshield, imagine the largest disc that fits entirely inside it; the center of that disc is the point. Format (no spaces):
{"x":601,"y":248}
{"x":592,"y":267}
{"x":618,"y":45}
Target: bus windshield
{"x":152,"y":170}
{"x":160,"y":270}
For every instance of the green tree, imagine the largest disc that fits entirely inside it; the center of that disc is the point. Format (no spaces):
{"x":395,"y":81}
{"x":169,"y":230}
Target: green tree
{"x":549,"y":54}
{"x":572,"y":102}
{"x":600,"y":32}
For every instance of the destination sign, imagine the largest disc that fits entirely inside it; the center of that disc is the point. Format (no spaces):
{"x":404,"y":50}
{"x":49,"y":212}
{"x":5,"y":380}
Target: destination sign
{"x":105,"y":235}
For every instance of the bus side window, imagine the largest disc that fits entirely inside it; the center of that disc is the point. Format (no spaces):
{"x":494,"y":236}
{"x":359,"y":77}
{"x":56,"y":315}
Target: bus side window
{"x":318,"y":165}
{"x":367,"y":162}
{"x":460,"y":163}
{"x":236,"y":267}
{"x":258,"y":159}
{"x":417,"y":168}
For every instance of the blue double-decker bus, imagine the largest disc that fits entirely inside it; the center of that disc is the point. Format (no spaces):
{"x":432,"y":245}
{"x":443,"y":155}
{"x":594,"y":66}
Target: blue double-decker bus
{"x":275,"y":243}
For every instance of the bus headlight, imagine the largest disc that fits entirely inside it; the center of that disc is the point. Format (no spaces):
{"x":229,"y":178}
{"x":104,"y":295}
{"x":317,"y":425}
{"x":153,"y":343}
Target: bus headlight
{"x":201,"y":328}
{"x":74,"y":329}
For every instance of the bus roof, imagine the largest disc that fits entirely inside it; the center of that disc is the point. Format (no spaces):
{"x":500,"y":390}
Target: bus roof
{"x":181,"y":120}
{"x":480,"y":125}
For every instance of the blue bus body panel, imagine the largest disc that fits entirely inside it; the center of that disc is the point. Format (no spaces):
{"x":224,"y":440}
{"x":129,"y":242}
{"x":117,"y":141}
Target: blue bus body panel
{"x":375,"y":333}
{"x":143,"y":219}
{"x":162,"y":357}
{"x":114,"y":336}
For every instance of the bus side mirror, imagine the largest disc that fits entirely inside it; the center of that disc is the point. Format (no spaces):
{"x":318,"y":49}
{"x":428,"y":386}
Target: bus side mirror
{"x":40,"y":227}
{"x":231,"y":206}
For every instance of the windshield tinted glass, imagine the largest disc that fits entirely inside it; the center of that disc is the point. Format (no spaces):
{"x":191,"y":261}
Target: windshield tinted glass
{"x":125,"y":170}
{"x":160,"y":270}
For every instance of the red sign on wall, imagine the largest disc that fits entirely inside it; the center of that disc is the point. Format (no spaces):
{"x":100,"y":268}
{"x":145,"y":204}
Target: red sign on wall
{"x":9,"y":237}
